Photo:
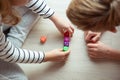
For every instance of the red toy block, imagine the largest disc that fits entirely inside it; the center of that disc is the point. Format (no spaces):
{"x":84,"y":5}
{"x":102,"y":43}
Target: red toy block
{"x":66,"y":34}
{"x":43,"y":39}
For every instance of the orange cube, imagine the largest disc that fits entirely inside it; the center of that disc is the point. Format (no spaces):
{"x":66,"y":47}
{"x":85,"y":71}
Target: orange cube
{"x":43,"y":39}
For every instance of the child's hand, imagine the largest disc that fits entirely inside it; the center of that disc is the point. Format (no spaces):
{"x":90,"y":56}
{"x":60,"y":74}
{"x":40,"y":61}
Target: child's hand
{"x":62,"y":25}
{"x":98,"y":50}
{"x":92,"y":36}
{"x":56,"y":55}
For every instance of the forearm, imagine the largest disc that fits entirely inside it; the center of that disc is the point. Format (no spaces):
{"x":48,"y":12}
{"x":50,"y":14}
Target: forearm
{"x":10,"y":53}
{"x":53,"y":18}
{"x":113,"y":54}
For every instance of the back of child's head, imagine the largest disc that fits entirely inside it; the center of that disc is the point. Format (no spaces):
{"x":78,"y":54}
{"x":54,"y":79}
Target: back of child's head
{"x":7,"y":13}
{"x":95,"y":15}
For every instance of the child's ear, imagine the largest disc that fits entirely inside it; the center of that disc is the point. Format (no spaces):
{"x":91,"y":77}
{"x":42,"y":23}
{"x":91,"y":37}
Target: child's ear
{"x":114,"y":30}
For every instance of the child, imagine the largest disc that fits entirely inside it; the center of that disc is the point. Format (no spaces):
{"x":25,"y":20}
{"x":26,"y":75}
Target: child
{"x":97,"y":16}
{"x":10,"y":51}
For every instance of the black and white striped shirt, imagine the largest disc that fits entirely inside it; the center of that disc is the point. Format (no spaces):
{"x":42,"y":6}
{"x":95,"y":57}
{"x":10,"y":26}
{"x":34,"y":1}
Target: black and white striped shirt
{"x":40,"y":7}
{"x":12,"y":54}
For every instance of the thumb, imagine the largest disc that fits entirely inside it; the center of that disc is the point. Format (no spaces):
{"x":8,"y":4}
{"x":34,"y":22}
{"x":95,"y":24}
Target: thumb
{"x":66,"y":52}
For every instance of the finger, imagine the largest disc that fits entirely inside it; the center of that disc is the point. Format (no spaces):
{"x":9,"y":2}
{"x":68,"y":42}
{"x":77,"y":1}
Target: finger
{"x":95,"y":39}
{"x":91,"y":49}
{"x":66,"y":56}
{"x":62,"y":31}
{"x":91,"y":45}
{"x":62,"y":59}
{"x":95,"y":56}
{"x":89,"y":37}
{"x":60,"y":50}
{"x":66,"y":53}
{"x":65,"y":59}
{"x":71,"y":31}
{"x":72,"y":28}
{"x":92,"y":55}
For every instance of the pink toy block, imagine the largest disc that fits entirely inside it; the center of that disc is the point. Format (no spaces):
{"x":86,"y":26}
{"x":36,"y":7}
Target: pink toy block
{"x":66,"y":39}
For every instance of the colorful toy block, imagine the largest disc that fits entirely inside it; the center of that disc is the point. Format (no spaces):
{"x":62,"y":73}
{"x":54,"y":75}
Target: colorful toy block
{"x":65,"y":48}
{"x":66,"y":41}
{"x":66,"y":34}
{"x":66,"y":44}
{"x":43,"y":39}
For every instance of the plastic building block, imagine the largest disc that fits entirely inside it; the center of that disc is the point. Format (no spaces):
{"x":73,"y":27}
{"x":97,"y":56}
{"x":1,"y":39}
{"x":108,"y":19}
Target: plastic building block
{"x":66,"y":41}
{"x":43,"y":39}
{"x":66,"y":44}
{"x":65,"y":48}
{"x":66,"y":34}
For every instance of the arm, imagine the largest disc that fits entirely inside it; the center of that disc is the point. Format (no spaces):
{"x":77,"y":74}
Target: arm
{"x":99,"y":50}
{"x":12,"y":54}
{"x":114,"y":54}
{"x":62,"y":25}
{"x":41,"y":8}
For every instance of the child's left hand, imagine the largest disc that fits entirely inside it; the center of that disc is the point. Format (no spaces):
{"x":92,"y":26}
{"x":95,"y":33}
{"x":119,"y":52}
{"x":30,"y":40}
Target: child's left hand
{"x":98,"y":50}
{"x":62,"y":25}
{"x":91,"y":36}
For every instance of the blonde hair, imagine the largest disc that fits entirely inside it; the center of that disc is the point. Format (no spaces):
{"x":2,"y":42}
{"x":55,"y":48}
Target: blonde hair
{"x":95,"y":15}
{"x":8,"y":14}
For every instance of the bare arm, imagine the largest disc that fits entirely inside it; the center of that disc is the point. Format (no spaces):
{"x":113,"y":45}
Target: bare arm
{"x":114,"y":54}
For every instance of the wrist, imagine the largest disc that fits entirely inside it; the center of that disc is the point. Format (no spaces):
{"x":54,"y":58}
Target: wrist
{"x":54,"y":18}
{"x":109,"y":53}
{"x":113,"y":54}
{"x":45,"y":58}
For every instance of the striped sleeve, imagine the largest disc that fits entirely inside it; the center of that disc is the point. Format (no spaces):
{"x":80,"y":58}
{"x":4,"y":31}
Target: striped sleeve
{"x":40,"y":7}
{"x":16,"y":55}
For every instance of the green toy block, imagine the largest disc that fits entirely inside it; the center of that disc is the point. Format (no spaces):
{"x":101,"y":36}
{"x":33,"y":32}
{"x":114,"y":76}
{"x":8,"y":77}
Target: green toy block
{"x":65,"y":48}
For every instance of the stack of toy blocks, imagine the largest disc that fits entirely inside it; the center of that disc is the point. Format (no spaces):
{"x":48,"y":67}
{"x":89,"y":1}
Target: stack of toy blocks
{"x":66,"y":41}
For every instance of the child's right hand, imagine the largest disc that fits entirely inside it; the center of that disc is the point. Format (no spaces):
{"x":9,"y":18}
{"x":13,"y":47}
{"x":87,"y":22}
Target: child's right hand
{"x":62,"y":25}
{"x":56,"y":55}
{"x":92,"y":36}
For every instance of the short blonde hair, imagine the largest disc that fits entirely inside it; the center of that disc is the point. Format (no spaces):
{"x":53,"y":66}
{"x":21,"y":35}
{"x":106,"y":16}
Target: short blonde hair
{"x":8,"y":14}
{"x":95,"y":15}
